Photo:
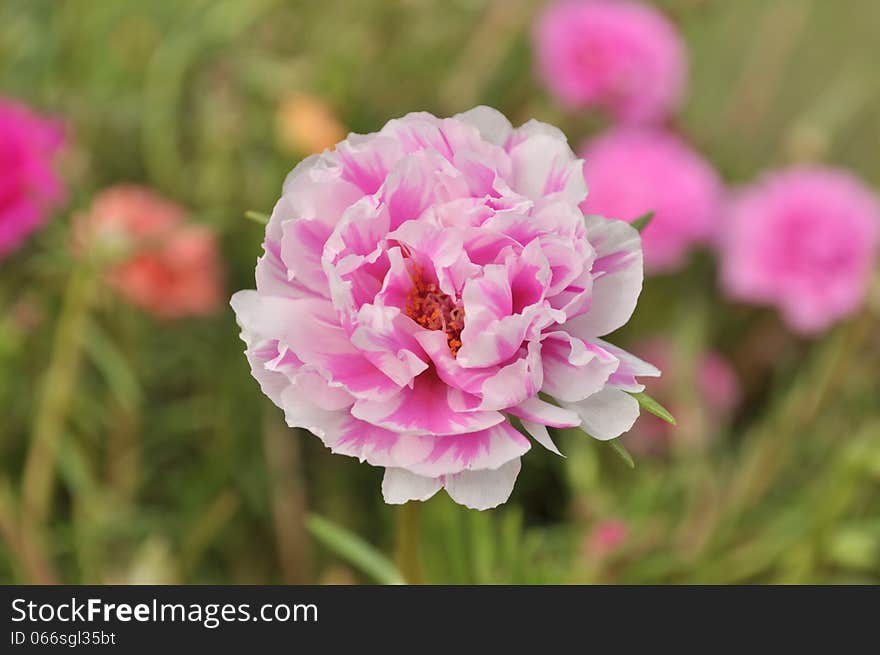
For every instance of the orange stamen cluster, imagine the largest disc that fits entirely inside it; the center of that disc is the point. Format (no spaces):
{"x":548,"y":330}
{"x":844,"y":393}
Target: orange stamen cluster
{"x":428,"y":306}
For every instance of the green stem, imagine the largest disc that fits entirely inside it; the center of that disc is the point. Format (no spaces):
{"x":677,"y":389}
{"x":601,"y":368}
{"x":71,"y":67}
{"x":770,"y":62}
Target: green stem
{"x":406,"y":546}
{"x":55,"y":397}
{"x":770,"y":440}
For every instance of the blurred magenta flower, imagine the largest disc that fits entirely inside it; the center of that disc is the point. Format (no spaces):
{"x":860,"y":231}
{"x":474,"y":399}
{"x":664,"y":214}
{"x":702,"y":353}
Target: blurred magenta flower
{"x":171,"y":268}
{"x":29,"y":187}
{"x":421,"y":283}
{"x":631,"y":171}
{"x":717,"y":388}
{"x":803,"y":240}
{"x":623,"y":57}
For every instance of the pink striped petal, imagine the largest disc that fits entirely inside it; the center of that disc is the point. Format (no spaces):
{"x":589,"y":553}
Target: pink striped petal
{"x":423,"y":409}
{"x":378,"y":446}
{"x":367,"y":159}
{"x":544,"y":165}
{"x":419,"y":181}
{"x":311,"y":330}
{"x":617,"y":278}
{"x":485,"y":449}
{"x":540,"y":411}
{"x":630,"y":369}
{"x":514,"y":383}
{"x":574,"y":369}
{"x":448,"y":368}
{"x":301,"y":244}
{"x":386,"y":338}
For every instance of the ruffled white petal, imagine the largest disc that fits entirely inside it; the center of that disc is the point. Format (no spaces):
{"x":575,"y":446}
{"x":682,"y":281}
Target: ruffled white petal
{"x":617,"y":278}
{"x":492,"y":124}
{"x":400,"y":486}
{"x":607,"y":414}
{"x":540,"y":434}
{"x":483,"y":489}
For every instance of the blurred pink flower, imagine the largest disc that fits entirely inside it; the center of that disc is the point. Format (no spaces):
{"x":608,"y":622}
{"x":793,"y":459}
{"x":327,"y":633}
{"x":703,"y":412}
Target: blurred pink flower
{"x":420,"y":283}
{"x":803,"y":240}
{"x":623,"y":57}
{"x":29,"y":188}
{"x":172,"y":269}
{"x":718,"y":384}
{"x":630,"y":172}
{"x":606,"y":536}
{"x":715,"y":382}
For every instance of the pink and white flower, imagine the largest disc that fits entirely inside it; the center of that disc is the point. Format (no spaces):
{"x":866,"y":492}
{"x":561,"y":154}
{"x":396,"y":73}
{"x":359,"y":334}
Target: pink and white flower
{"x":804,"y":240}
{"x":622,"y":57}
{"x":421,"y":284}
{"x":29,"y":186}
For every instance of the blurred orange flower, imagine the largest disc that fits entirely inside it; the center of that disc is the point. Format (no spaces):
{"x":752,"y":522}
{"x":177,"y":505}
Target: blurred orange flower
{"x":305,"y":124}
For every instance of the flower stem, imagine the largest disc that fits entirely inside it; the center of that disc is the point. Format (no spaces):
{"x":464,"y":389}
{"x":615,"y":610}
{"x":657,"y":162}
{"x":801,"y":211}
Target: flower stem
{"x":800,"y":406}
{"x":31,"y":557}
{"x":406,"y":547}
{"x":55,"y":396}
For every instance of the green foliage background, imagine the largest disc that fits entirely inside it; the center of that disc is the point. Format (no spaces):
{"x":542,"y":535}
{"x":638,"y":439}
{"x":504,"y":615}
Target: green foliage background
{"x":172,"y":467}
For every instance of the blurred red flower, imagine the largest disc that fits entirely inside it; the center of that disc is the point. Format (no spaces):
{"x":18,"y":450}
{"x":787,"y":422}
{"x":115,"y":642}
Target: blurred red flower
{"x":170,"y":267}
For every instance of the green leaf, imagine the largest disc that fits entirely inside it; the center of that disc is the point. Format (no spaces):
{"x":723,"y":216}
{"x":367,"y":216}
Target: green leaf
{"x":112,"y":364}
{"x":618,"y":448}
{"x":651,"y":405}
{"x":355,"y":550}
{"x":642,"y":221}
{"x":257,"y":217}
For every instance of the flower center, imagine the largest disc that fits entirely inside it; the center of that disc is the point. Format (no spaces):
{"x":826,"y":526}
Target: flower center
{"x":434,"y":310}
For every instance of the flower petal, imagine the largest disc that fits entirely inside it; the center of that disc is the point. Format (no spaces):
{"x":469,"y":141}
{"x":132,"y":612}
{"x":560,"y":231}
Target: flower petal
{"x":485,"y":449}
{"x":310,"y":328}
{"x":492,"y":124}
{"x":448,"y":368}
{"x":419,"y":181}
{"x":606,"y":414}
{"x":540,"y":411}
{"x":544,"y":165}
{"x":630,"y":369}
{"x":301,"y":412}
{"x":385,"y":337}
{"x":617,"y":278}
{"x":514,"y":383}
{"x":378,"y":446}
{"x":501,"y":305}
{"x":423,"y":409}
{"x":400,"y":486}
{"x":483,"y":489}
{"x":366,"y":159}
{"x":574,"y":369}
{"x":540,"y":434}
{"x":301,"y":244}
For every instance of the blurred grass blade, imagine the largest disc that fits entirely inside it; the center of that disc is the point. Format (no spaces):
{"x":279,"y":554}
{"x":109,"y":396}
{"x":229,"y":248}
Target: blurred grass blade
{"x":111,"y":363}
{"x":642,"y":221}
{"x":651,"y":405}
{"x":257,"y":217}
{"x":618,"y":448}
{"x":354,"y":550}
